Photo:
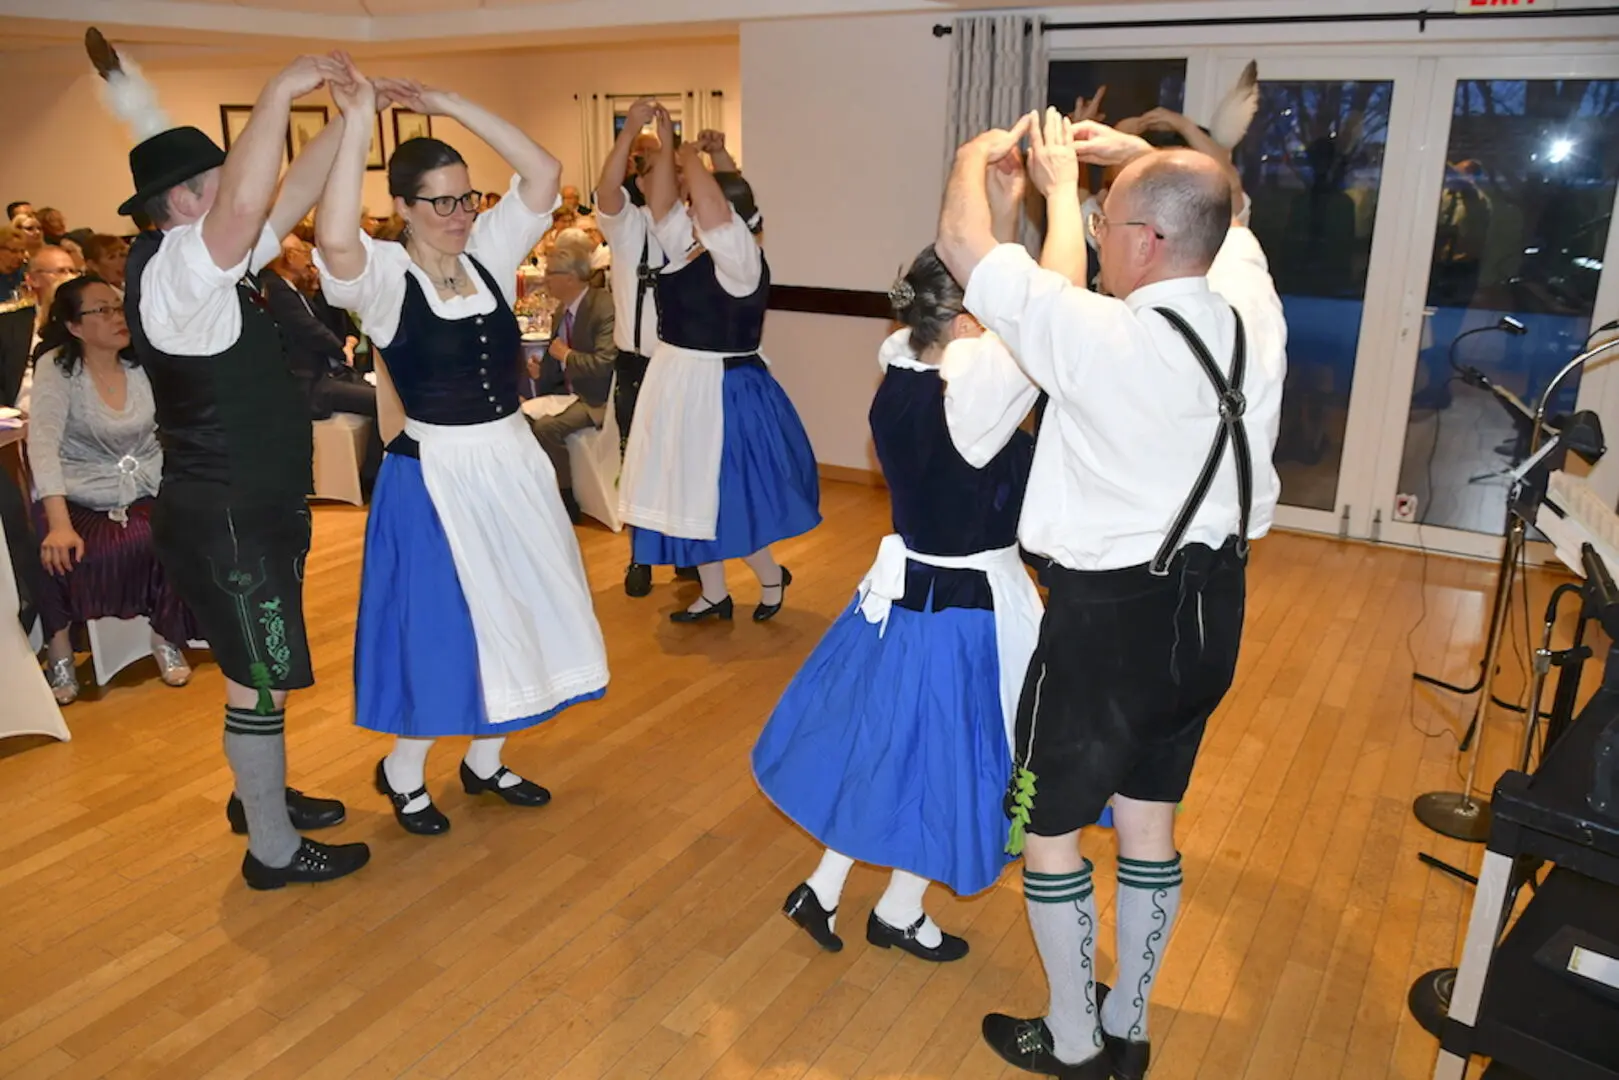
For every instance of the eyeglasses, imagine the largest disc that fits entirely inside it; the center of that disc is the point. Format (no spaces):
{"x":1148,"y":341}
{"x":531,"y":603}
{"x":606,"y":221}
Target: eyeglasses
{"x":1096,"y":222}
{"x":109,"y":310}
{"x":444,"y":205}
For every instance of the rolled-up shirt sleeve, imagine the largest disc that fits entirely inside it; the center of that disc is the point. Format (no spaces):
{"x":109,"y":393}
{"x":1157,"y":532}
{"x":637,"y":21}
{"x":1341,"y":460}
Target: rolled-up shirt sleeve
{"x":377,"y":295}
{"x":737,"y":261}
{"x":625,"y":229}
{"x":675,"y":234}
{"x":503,"y":237}
{"x":188,"y":304}
{"x":986,"y":397}
{"x":1054,"y":329}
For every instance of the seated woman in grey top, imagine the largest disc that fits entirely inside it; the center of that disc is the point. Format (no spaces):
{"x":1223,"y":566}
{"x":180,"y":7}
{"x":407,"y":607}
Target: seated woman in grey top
{"x":92,"y":445}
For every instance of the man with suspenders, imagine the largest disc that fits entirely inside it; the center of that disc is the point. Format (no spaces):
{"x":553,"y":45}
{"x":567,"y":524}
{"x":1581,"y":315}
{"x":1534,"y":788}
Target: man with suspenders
{"x":1152,"y":473}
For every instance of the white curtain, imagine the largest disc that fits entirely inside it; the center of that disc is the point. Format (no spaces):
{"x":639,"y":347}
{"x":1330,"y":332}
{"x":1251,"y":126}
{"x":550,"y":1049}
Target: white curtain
{"x":998,"y":71}
{"x":703,"y":110}
{"x":595,"y":138}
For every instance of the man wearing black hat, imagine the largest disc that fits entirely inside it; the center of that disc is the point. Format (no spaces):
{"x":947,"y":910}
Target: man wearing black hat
{"x":231,"y":523}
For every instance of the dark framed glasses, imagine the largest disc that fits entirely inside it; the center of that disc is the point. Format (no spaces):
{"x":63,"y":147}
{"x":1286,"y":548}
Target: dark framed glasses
{"x":113,"y":310}
{"x":444,"y":205}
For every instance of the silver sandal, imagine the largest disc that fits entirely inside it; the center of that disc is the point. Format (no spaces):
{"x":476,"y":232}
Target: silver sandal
{"x":64,"y":680}
{"x":171,"y":664}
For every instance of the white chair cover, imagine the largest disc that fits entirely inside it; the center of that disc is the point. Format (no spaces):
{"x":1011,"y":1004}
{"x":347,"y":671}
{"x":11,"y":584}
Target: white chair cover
{"x":26,"y":706}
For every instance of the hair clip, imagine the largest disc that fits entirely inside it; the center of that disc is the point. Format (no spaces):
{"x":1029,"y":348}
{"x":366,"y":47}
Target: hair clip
{"x":902,"y":294}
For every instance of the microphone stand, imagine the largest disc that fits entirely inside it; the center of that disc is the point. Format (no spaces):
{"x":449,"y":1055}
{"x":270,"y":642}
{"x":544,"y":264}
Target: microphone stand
{"x":1458,"y":814}
{"x":1509,"y":552}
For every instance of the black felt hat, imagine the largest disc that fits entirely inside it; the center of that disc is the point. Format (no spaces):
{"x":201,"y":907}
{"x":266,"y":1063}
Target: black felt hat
{"x":168,"y":158}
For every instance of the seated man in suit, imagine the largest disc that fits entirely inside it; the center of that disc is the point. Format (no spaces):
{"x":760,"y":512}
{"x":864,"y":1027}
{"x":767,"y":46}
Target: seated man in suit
{"x":583,"y":349}
{"x":320,"y":348}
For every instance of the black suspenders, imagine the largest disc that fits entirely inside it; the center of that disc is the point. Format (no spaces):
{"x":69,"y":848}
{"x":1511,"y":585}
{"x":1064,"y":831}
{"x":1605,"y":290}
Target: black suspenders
{"x":1232,"y":431}
{"x":643,"y":281}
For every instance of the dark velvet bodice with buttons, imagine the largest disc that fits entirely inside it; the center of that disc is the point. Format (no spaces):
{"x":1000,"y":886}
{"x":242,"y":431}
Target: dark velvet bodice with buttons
{"x":455,"y":371}
{"x":695,"y":311}
{"x":941,"y":504}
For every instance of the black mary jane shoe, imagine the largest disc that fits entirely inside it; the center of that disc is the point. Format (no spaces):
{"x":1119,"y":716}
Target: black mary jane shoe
{"x":884,"y":936}
{"x":1128,"y":1057}
{"x":1027,"y":1045}
{"x":428,"y":821}
{"x":804,"y":908}
{"x":522,"y":793}
{"x":766,"y":612}
{"x":638,"y":580}
{"x":314,"y":862}
{"x":306,"y":812}
{"x":724,"y":610}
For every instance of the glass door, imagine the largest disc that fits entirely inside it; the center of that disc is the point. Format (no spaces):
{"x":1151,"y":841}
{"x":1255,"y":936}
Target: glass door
{"x":1512,"y":205}
{"x":1318,"y":163}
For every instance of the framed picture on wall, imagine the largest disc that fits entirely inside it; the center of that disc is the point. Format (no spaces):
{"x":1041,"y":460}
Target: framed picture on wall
{"x":411,"y":125}
{"x":375,"y":160}
{"x":304,"y":123}
{"x":233,"y":119}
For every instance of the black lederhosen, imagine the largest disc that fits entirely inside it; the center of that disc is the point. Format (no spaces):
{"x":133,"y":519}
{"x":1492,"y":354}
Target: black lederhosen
{"x":240,"y":568}
{"x":1132,"y":662}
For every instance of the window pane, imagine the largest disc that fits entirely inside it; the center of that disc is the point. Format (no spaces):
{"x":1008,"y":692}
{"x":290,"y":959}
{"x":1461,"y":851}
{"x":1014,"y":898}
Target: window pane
{"x":1523,"y":220}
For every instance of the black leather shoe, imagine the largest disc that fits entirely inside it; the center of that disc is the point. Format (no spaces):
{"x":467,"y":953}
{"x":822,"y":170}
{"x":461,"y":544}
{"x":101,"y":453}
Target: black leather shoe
{"x":765,"y":612}
{"x":687,"y":573}
{"x":884,"y":936}
{"x":804,"y":908}
{"x":638,"y":580}
{"x":428,"y":821}
{"x":314,"y":862}
{"x":306,"y":812}
{"x":522,"y":793}
{"x":724,"y":610}
{"x":1128,"y":1057}
{"x":1027,"y":1044}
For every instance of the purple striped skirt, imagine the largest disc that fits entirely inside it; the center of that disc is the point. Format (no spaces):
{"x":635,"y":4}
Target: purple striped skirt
{"x":119,"y":577}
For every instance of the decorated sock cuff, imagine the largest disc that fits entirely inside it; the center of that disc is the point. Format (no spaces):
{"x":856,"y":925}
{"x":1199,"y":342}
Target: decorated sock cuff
{"x":1137,"y":874}
{"x":1058,"y":888}
{"x":249,"y":722}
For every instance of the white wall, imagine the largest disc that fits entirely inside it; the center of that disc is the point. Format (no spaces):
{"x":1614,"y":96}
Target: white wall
{"x":64,"y":150}
{"x":844,"y":122}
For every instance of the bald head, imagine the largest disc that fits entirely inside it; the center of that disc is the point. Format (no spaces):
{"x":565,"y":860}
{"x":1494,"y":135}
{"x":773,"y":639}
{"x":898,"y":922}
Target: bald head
{"x":1185,"y":196}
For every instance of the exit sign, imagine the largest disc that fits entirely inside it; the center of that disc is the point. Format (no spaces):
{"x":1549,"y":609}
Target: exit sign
{"x":1479,"y":7}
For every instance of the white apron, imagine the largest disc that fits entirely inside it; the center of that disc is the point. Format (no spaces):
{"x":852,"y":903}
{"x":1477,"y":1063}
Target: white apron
{"x":518,"y":562}
{"x":1018,"y":609}
{"x":671,"y":477}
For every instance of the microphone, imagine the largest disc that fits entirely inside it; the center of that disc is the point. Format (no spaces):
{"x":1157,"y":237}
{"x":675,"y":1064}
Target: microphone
{"x":1472,"y":376}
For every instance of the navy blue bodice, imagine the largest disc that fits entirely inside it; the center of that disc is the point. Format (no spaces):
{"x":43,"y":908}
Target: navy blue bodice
{"x":454,"y":371}
{"x":695,"y":311}
{"x":941,"y":504}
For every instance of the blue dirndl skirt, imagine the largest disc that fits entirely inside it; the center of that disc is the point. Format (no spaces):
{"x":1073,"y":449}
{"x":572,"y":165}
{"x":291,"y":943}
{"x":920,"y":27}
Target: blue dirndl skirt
{"x":769,"y":487}
{"x":415,"y":654}
{"x":892,"y":750}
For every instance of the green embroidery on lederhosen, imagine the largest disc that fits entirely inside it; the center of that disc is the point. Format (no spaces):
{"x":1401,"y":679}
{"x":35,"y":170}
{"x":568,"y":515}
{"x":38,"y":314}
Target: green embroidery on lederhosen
{"x":239,"y":584}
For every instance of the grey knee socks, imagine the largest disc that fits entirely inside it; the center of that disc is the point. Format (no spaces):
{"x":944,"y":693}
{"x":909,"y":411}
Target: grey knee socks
{"x":256,"y":747}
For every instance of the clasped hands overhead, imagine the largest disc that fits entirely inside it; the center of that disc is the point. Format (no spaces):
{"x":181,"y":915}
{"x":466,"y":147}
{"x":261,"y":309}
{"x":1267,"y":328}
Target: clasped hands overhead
{"x":1058,"y":145}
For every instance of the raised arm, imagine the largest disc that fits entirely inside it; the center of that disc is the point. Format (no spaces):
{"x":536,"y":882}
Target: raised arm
{"x":610,"y":187}
{"x":709,"y":206}
{"x":712,"y":143}
{"x":966,"y":227}
{"x":337,"y":223}
{"x":663,"y":185}
{"x":1007,"y":184}
{"x":301,"y":187}
{"x":1054,"y":171}
{"x":247,"y":182}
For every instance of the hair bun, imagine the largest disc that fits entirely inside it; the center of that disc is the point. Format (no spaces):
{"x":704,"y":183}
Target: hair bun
{"x":902,"y":294}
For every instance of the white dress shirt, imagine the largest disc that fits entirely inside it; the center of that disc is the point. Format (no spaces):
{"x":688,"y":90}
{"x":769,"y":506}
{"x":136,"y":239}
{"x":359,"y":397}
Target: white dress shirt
{"x":188,"y":304}
{"x":627,"y":232}
{"x":500,"y":240}
{"x":1132,"y":415}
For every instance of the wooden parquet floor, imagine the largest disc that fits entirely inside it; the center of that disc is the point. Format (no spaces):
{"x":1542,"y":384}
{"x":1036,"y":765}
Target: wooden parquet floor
{"x":632,"y":928}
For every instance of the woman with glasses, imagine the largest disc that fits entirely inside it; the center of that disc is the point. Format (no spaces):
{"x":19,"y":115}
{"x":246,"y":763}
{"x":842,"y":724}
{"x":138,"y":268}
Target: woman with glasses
{"x":92,"y":444}
{"x":475,"y":614}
